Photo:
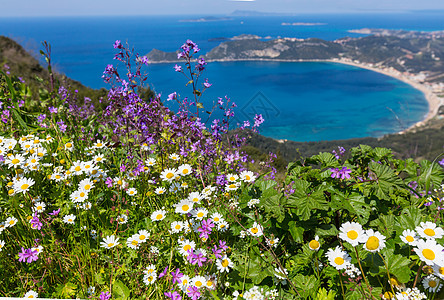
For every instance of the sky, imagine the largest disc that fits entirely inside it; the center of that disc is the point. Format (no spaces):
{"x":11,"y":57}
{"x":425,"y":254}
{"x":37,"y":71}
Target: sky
{"x":28,"y":8}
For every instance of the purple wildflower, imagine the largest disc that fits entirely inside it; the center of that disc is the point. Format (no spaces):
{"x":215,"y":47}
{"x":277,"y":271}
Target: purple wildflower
{"x":52,"y":109}
{"x":28,"y":255}
{"x":176,"y":276}
{"x":441,"y":162}
{"x":217,"y":252}
{"x":345,"y":173}
{"x":164,"y":272}
{"x":105,"y":295}
{"x":55,"y":212}
{"x":172,"y":96}
{"x":177,"y":68}
{"x":207,"y":84}
{"x":258,"y":120}
{"x":193,"y":292}
{"x":117,"y":44}
{"x":35,"y":223}
{"x":173,"y":295}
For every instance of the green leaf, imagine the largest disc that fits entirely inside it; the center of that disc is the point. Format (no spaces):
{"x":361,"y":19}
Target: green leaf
{"x":306,"y":200}
{"x":409,"y":218}
{"x":306,"y":285}
{"x":327,"y":160}
{"x":355,"y":204}
{"x":296,"y":232}
{"x":120,"y":290}
{"x":386,"y":180}
{"x":431,"y":174}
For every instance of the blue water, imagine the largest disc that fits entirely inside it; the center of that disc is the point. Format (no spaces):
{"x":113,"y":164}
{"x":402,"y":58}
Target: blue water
{"x":309,"y":101}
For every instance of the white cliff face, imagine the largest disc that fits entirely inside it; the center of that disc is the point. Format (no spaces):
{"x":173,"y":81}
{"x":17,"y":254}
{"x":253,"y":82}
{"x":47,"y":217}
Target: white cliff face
{"x":268,"y":52}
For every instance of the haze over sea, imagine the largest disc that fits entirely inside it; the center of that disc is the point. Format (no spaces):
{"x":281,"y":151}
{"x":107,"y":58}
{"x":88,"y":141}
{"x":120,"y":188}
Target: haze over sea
{"x":300,"y":101}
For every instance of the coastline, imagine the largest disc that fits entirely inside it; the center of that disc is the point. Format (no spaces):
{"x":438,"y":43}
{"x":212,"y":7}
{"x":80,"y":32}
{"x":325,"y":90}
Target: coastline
{"x":432,"y":99}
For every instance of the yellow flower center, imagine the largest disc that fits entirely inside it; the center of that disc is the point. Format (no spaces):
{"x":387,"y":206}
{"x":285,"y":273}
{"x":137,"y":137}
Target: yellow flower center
{"x":10,"y":192}
{"x":429,"y":232}
{"x":160,"y":191}
{"x":142,"y":237}
{"x":185,"y":171}
{"x":24,"y":186}
{"x":314,"y":244}
{"x":224,"y":263}
{"x":87,"y":166}
{"x":198,"y":283}
{"x":187,"y":247}
{"x":69,"y":220}
{"x":209,"y":283}
{"x":98,"y":159}
{"x":388,"y":295}
{"x":12,"y":222}
{"x":428,"y":254}
{"x":98,"y":144}
{"x":409,"y":238}
{"x":170,"y":175}
{"x":254,"y":230}
{"x":68,"y":145}
{"x":134,"y":242}
{"x":339,"y":261}
{"x":185,"y":207}
{"x":78,"y":168}
{"x":87,"y":187}
{"x":177,"y":227}
{"x":39,"y":207}
{"x":40,"y":154}
{"x":82,"y":194}
{"x":216,"y":219}
{"x":372,"y":243}
{"x":352,"y":234}
{"x":247,"y":177}
{"x":15,"y":161}
{"x":441,"y":270}
{"x":159,"y":216}
{"x":232,"y":186}
{"x":432,"y":283}
{"x":110,"y":245}
{"x":94,"y":172}
{"x":200,"y":215}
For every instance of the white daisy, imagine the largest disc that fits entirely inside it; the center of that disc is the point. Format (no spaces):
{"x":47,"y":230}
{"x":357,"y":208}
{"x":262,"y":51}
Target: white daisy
{"x":373,"y":241}
{"x":174,"y":156}
{"x":69,"y":219}
{"x":314,"y":244}
{"x":122,"y":219}
{"x":11,"y":221}
{"x":184,"y":282}
{"x":186,"y":245}
{"x":168,"y":175}
{"x":39,"y":206}
{"x":232,"y":177}
{"x":198,"y":281}
{"x":409,"y":237}
{"x":199,"y":213}
{"x":256,"y":230}
{"x":428,"y":230}
{"x":133,"y":242}
{"x":131,"y":191}
{"x":232,"y":186}
{"x":86,"y":185}
{"x":69,"y":146}
{"x":195,"y":197}
{"x":31,"y":294}
{"x":22,"y":185}
{"x":429,"y":252}
{"x":224,"y":264}
{"x":223,"y":226}
{"x":247,"y":176}
{"x":160,"y":191}
{"x":351,"y":232}
{"x":158,"y":215}
{"x":177,"y":226}
{"x":149,"y":278}
{"x":184,"y":170}
{"x":338,"y":258}
{"x":2,"y":244}
{"x":150,"y":162}
{"x":143,"y":235}
{"x":431,"y":283}
{"x":109,"y":242}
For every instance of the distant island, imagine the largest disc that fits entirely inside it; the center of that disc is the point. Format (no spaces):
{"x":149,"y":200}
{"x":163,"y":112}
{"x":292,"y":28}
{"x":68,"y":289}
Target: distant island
{"x":412,"y":56}
{"x":207,"y":19}
{"x":302,"y":24}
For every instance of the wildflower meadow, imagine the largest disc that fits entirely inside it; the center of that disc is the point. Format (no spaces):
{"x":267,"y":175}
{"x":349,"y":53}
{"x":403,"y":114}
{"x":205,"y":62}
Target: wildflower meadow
{"x":137,"y":198}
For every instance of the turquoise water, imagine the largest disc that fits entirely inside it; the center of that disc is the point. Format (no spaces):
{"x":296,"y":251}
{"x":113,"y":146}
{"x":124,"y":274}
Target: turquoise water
{"x":300,"y":101}
{"x":309,"y":101}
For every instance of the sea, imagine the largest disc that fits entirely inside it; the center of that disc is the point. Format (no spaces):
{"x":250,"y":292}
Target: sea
{"x":307,"y":101}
